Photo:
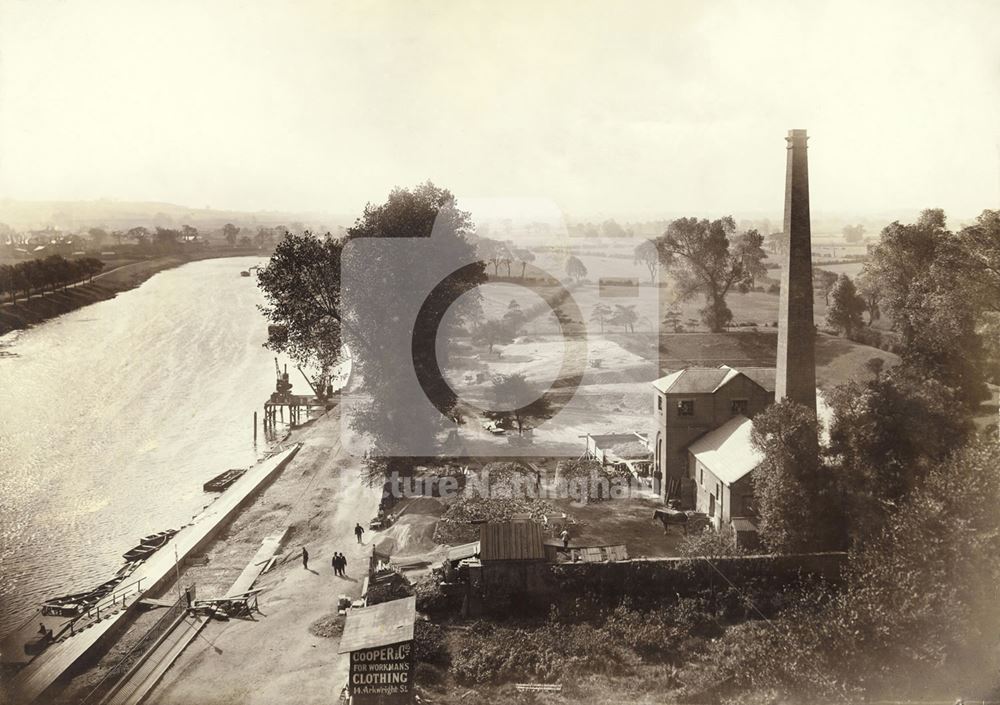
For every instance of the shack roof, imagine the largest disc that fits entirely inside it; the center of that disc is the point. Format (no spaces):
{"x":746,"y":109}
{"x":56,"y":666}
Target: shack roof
{"x":520,"y":541}
{"x":379,"y":625}
{"x":727,"y":451}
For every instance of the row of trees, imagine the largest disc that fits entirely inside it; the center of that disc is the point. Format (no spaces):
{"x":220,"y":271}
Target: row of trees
{"x":38,"y":275}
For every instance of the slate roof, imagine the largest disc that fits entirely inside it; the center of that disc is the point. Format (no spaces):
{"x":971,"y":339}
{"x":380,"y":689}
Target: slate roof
{"x":707,"y":380}
{"x":727,"y":451}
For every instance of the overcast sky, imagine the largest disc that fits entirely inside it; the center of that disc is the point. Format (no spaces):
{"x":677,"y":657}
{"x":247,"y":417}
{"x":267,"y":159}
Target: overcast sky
{"x":625,"y":109}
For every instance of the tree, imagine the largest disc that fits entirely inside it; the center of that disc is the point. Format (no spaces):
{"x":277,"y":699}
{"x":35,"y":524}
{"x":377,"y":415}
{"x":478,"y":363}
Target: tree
{"x":870,"y":291}
{"x":611,"y":228}
{"x":524,"y":257}
{"x":626,"y":317}
{"x":139,"y":234}
{"x":980,"y":244}
{"x":699,"y":255}
{"x":98,"y":236}
{"x":672,"y":320}
{"x":230,"y":231}
{"x":934,"y":301}
{"x":645,"y":253}
{"x":514,"y":318}
{"x":189,"y":233}
{"x":491,"y":333}
{"x":846,"y":311}
{"x":166,"y":238}
{"x":853,"y":233}
{"x":796,"y":494}
{"x":601,"y":313}
{"x":823,"y":283}
{"x":301,"y":283}
{"x":519,"y":400}
{"x":885,"y":436}
{"x":575,"y":269}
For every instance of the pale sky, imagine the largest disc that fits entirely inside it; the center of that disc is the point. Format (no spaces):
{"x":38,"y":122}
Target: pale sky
{"x":606,"y":108}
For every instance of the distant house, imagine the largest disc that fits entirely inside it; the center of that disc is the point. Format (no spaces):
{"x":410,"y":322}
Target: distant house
{"x":693,"y":402}
{"x":721,"y":463}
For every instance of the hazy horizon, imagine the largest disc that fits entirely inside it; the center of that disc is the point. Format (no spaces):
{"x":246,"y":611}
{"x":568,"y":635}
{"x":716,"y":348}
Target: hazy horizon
{"x":631,"y":112}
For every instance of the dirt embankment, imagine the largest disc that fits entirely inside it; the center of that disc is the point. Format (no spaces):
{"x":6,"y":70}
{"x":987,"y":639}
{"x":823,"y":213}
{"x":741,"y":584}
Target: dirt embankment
{"x":42,"y":307}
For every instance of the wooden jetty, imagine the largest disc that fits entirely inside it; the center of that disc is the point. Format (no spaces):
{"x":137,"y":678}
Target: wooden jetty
{"x":298,"y":405}
{"x":108,"y":618}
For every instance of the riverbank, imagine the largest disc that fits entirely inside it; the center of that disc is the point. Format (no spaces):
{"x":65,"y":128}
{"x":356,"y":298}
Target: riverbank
{"x":318,"y":497}
{"x":107,"y":285}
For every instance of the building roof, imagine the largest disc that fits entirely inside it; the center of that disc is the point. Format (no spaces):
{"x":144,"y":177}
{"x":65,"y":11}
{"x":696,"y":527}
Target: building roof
{"x":707,"y":380}
{"x":521,"y":541}
{"x":625,"y":446}
{"x":727,"y":451}
{"x":379,"y":625}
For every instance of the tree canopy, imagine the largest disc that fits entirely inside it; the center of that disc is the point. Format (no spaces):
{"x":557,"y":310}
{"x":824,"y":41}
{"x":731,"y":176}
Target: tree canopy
{"x":706,"y":257}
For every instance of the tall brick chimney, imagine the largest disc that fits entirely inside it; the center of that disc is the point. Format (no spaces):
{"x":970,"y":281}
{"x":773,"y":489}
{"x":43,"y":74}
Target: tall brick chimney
{"x":796,"y":373}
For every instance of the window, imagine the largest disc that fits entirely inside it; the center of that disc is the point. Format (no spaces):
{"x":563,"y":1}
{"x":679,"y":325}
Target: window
{"x":685,"y":407}
{"x":701,"y":476}
{"x":738,"y":406}
{"x":659,"y":403}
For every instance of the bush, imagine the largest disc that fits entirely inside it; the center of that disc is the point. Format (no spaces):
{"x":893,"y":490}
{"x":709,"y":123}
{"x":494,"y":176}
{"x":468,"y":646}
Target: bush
{"x":429,"y":645}
{"x":546,"y":653}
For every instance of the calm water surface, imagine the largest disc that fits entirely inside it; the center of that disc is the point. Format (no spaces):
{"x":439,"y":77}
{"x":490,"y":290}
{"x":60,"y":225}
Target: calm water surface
{"x":112,"y":417}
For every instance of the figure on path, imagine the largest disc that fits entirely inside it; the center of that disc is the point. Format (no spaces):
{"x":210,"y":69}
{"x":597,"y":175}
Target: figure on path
{"x":305,"y":558}
{"x":358,"y":531}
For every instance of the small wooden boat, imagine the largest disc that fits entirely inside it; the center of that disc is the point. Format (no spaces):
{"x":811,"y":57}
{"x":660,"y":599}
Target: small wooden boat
{"x":244,"y":273}
{"x":148,"y":545}
{"x":221,"y":482}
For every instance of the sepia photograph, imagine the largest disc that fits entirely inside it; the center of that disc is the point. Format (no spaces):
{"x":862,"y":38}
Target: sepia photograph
{"x":460,"y":352}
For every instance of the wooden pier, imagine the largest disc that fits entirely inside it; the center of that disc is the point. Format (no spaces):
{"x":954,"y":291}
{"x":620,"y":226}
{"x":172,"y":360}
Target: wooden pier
{"x":298,"y":405}
{"x":45,"y":669}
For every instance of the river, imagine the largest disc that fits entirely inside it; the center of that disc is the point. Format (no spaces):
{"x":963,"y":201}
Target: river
{"x":112,"y":417}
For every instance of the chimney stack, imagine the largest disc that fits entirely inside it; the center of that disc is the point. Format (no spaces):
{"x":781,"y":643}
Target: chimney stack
{"x":796,"y":373}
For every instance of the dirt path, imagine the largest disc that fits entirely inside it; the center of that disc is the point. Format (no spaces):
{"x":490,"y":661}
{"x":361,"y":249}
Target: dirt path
{"x":275,"y":658}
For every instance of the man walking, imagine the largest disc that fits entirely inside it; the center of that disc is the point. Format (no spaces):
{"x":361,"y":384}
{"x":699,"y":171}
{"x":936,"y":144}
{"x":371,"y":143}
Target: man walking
{"x":305,"y":558}
{"x":343,"y":565}
{"x":358,"y":531}
{"x":335,"y":562}
{"x":565,"y":538}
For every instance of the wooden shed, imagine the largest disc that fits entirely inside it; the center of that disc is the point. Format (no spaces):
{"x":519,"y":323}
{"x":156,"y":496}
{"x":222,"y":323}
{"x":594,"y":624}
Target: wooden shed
{"x":511,"y":541}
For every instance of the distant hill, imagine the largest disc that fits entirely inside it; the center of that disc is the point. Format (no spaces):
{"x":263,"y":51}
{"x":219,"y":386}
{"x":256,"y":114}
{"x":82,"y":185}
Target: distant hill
{"x":111,"y":214}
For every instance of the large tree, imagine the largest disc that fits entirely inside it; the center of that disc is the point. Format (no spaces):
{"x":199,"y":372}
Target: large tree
{"x":706,"y":257}
{"x":305,"y":281}
{"x":796,"y":494}
{"x":847,"y":309}
{"x":886,"y":434}
{"x":933,"y":300}
{"x":519,"y":401}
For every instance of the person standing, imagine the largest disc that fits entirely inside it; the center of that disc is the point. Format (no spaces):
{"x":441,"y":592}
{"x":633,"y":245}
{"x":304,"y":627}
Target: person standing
{"x":358,"y":531}
{"x":305,"y":558}
{"x":343,"y":565}
{"x":335,"y":562}
{"x":565,"y":538}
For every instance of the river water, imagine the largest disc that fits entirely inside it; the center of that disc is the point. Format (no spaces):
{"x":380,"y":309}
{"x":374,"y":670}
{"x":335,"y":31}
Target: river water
{"x":113,"y":416}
